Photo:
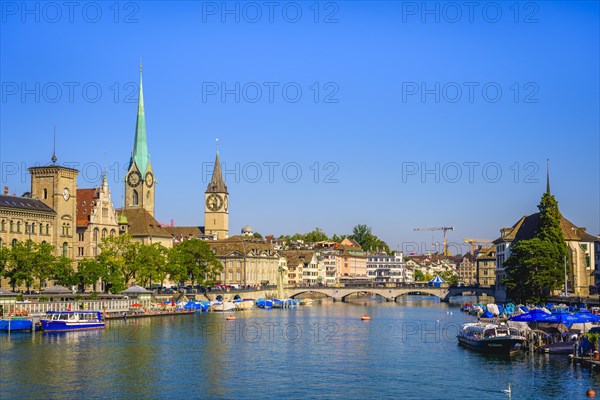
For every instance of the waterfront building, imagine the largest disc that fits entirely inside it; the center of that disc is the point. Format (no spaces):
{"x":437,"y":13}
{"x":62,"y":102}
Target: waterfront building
{"x":383,"y":267}
{"x":597,"y":261}
{"x":329,"y":259}
{"x":96,"y":219}
{"x":299,"y":262}
{"x":467,"y":270}
{"x":580,"y":246}
{"x":247,"y":261}
{"x":351,"y":259}
{"x":486,"y":266}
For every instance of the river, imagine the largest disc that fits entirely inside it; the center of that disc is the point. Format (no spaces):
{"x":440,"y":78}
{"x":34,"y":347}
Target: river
{"x":407,"y":351}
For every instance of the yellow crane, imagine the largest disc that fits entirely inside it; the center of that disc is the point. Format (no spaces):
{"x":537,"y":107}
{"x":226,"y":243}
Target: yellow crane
{"x":475,"y":242}
{"x":442,"y":228}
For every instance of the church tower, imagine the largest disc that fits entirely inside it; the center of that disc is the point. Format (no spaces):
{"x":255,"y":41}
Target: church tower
{"x":139,"y":181}
{"x":216,"y":205}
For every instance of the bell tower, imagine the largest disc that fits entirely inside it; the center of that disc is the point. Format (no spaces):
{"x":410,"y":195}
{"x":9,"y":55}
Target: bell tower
{"x":139,"y":180}
{"x":216,"y":205}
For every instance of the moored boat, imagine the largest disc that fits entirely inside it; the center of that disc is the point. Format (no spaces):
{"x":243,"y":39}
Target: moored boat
{"x":491,"y":338}
{"x":64,"y":321}
{"x":16,"y":325}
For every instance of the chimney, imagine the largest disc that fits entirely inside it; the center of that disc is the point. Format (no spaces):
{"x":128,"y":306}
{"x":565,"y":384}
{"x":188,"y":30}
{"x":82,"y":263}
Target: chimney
{"x":5,"y":190}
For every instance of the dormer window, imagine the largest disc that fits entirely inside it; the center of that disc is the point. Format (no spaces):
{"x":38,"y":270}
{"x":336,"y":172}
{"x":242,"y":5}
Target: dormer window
{"x":83,"y":203}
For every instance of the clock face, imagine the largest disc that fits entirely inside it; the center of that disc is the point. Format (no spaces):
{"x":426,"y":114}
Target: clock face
{"x":214,"y":202}
{"x":134,"y":178}
{"x":66,"y":194}
{"x":149,"y":179}
{"x":226,"y":203}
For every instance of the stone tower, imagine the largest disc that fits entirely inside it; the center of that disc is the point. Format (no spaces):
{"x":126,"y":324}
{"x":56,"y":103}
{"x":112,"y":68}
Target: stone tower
{"x":139,"y":180}
{"x":56,"y":186}
{"x":216,"y":205}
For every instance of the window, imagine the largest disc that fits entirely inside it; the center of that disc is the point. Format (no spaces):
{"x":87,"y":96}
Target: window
{"x":45,"y":194}
{"x":3,"y":226}
{"x":19,"y":227}
{"x":64,"y":249}
{"x":134,"y":198}
{"x":104,"y":232}
{"x":47,"y":229}
{"x":112,"y":233}
{"x":27,"y":228}
{"x":14,"y":242}
{"x":81,"y":252}
{"x":81,"y":237}
{"x":33,"y":228}
{"x":12,"y":226}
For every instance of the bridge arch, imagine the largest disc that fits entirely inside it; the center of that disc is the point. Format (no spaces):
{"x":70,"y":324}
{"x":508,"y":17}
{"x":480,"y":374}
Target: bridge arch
{"x":299,"y":292}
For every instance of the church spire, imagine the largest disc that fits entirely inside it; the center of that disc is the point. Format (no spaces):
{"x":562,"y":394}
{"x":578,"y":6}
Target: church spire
{"x":547,"y":175}
{"x":217,"y":184}
{"x":140,"y":156}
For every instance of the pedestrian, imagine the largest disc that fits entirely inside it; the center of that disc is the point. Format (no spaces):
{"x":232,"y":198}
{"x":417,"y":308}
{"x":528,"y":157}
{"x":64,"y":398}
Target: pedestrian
{"x":124,"y":316}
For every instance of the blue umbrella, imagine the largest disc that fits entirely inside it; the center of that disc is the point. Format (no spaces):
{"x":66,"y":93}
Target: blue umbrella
{"x":587,"y":316}
{"x":535,"y":315}
{"x":561,"y":317}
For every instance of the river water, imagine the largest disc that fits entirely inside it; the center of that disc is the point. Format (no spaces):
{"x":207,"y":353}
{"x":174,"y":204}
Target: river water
{"x":407,"y":351}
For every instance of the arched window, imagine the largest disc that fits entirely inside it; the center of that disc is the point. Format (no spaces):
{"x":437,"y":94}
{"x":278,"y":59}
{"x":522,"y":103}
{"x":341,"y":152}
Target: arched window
{"x":33,"y":228}
{"x":47,"y":229}
{"x":41,"y":228}
{"x":96,"y":235}
{"x":134,"y":198}
{"x":14,"y":242}
{"x":12,"y":226}
{"x":3,"y":226}
{"x":148,"y":195}
{"x":104,"y":233}
{"x":112,"y":233}
{"x":27,"y":227}
{"x":45,"y":194}
{"x":65,"y":248}
{"x":68,"y":229}
{"x":19,"y":227}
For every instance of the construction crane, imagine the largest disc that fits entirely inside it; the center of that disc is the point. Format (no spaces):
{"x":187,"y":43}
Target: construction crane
{"x":474,"y":242}
{"x":443,"y":228}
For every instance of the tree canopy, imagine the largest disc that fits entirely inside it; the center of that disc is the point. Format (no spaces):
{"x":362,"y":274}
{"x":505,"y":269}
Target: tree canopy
{"x":535,"y":267}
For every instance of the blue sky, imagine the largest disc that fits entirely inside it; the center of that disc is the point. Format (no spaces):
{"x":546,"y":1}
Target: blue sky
{"x":414,"y":114}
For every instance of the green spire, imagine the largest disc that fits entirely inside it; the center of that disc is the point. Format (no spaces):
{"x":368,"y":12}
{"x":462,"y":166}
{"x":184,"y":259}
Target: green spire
{"x":140,"y":156}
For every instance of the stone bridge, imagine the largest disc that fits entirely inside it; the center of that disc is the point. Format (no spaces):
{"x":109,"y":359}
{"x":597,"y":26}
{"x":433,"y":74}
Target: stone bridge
{"x":341,"y":293}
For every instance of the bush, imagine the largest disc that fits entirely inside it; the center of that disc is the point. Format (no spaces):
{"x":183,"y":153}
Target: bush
{"x":93,"y":296}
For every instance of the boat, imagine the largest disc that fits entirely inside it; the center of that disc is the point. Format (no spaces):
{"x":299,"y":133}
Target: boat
{"x":491,"y":338}
{"x":244,"y":304}
{"x":64,"y":321}
{"x":306,"y":302}
{"x":225,"y":306}
{"x":264,"y":303}
{"x":16,"y":325}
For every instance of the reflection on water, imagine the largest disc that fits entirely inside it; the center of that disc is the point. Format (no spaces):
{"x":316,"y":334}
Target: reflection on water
{"x":408,"y":350}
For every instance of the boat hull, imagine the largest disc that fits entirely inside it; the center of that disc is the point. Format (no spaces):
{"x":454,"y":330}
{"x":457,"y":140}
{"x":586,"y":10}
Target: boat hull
{"x":498,"y":345}
{"x":63,"y":326}
{"x":16,"y":325}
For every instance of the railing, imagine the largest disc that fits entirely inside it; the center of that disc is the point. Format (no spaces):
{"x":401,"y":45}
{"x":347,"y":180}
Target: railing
{"x":108,"y":306}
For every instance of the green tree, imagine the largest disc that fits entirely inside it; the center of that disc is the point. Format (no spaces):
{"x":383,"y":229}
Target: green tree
{"x":152,"y":260}
{"x":367,"y":240}
{"x":198,"y":262}
{"x":450,"y":277}
{"x":257,"y":235}
{"x":118,"y":256}
{"x":90,"y":271}
{"x":44,"y":262}
{"x":21,"y":264}
{"x":4,"y":259}
{"x":419,"y":276}
{"x":63,"y":272}
{"x":316,"y":235}
{"x":535,"y":267}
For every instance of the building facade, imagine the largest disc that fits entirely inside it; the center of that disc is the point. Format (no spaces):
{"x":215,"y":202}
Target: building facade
{"x":486,"y":266}
{"x":386,"y":268}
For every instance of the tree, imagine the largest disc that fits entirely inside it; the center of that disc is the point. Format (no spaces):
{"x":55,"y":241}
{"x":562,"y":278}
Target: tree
{"x":152,"y":261}
{"x":257,"y":235}
{"x":4,"y":259}
{"x":63,"y":272}
{"x":367,"y":240}
{"x":535,"y":267}
{"x":532,"y":271}
{"x":419,"y":276}
{"x":90,"y":271}
{"x":21,"y":264}
{"x":118,"y":256}
{"x":316,"y":235}
{"x":450,"y":277}
{"x":197,"y":261}
{"x":44,"y":261}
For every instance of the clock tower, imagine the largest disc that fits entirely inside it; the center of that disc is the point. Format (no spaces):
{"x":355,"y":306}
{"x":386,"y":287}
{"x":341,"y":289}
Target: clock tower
{"x":216,"y":205}
{"x":139,"y":180}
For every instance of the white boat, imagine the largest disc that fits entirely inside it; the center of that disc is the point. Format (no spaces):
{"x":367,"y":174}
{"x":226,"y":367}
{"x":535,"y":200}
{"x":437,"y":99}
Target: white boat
{"x":244,"y":305}
{"x":224,"y":306}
